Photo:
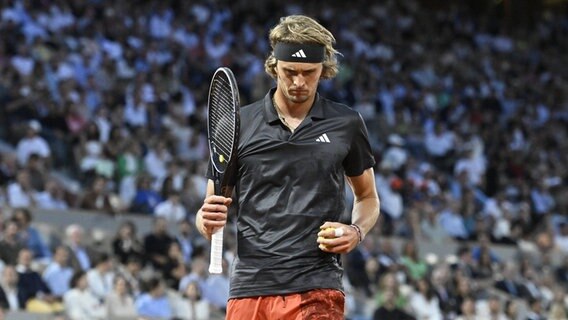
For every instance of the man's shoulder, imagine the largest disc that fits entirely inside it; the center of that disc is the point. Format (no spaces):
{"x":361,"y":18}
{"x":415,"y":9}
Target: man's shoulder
{"x":337,"y":109}
{"x":251,"y":109}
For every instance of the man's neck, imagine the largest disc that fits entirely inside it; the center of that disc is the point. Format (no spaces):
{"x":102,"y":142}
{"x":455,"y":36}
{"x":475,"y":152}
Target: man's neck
{"x":292,"y":110}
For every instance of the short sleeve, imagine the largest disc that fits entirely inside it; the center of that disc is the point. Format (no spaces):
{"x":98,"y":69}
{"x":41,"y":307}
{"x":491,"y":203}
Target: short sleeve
{"x":360,"y":156}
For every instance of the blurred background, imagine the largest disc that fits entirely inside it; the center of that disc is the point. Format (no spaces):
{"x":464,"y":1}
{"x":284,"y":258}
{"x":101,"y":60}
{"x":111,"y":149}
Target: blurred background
{"x":103,"y":153}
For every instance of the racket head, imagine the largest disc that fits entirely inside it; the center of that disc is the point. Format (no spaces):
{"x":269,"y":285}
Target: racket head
{"x":223,"y":119}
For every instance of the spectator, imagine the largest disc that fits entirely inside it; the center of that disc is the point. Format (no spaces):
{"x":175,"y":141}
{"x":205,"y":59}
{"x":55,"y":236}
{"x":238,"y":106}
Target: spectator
{"x":130,"y":272}
{"x":509,"y":284}
{"x":388,"y":258}
{"x":484,"y":247}
{"x":126,"y":243}
{"x":191,"y":195}
{"x":495,"y":308}
{"x":174,"y":269}
{"x":389,"y":283}
{"x":96,"y":161}
{"x":11,"y":298}
{"x":484,"y":267}
{"x":171,"y":209}
{"x":80,"y":303}
{"x":20,"y":193}
{"x":8,"y":168}
{"x":57,"y":275}
{"x":452,"y":222}
{"x":529,"y":286}
{"x":463,"y":290}
{"x":512,"y":309}
{"x":146,"y":199}
{"x":561,"y":271}
{"x":32,"y":143}
{"x":10,"y":244}
{"x":440,"y":144}
{"x":154,"y":303}
{"x":81,"y":256}
{"x":442,"y":288}
{"x":100,"y":278}
{"x":561,"y":238}
{"x":119,"y":301}
{"x":558,"y":308}
{"x":52,"y":198}
{"x":389,"y":311}
{"x":136,"y":110}
{"x":37,"y":171}
{"x":356,"y":266}
{"x":129,"y":166}
{"x":156,"y":244}
{"x":468,"y":310}
{"x":388,"y":185}
{"x":197,"y":274}
{"x":98,"y":198}
{"x":395,"y":155}
{"x":192,"y":306}
{"x":30,"y":235}
{"x":156,"y":162}
{"x":473,"y":166}
{"x":186,"y":237}
{"x":34,"y":291}
{"x":415,"y":267}
{"x":535,"y":311}
{"x":174,"y":180}
{"x":424,"y":303}
{"x":430,"y":226}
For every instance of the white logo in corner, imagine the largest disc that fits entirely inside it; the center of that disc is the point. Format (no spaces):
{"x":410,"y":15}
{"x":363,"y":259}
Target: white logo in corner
{"x":299,"y":54}
{"x":323,"y":138}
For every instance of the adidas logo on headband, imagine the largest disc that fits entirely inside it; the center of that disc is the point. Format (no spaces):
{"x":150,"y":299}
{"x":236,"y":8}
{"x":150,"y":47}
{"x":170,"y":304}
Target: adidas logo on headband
{"x":299,"y":54}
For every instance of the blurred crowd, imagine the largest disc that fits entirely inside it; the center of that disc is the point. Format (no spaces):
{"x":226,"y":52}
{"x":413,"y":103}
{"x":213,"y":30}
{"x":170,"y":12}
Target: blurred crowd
{"x":104,"y":109}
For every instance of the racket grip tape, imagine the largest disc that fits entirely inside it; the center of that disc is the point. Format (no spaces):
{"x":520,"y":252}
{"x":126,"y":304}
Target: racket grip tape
{"x":216,"y":261}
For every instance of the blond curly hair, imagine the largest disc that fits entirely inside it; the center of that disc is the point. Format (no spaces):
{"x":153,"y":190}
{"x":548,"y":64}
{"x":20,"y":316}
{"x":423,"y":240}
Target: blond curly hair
{"x":303,"y":29}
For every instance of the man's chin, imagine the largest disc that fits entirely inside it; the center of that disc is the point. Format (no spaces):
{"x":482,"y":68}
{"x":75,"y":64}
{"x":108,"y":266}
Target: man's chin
{"x":299,"y":99}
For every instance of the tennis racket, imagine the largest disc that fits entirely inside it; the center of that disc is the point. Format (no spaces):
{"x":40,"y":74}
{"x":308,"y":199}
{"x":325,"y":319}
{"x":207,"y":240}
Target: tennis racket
{"x":223,"y":123}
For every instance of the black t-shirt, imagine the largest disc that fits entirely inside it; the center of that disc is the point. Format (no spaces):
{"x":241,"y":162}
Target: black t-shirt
{"x":383,"y":313}
{"x":288,"y":185}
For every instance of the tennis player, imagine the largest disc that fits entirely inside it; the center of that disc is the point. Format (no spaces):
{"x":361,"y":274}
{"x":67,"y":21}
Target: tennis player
{"x":296,"y":148}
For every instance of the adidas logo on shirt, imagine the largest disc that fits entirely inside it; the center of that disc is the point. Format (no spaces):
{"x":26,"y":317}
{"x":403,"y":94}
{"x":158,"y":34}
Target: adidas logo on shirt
{"x":323,"y":138}
{"x":299,"y":54}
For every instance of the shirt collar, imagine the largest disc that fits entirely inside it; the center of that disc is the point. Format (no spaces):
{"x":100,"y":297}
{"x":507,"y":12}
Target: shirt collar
{"x":271,"y":116}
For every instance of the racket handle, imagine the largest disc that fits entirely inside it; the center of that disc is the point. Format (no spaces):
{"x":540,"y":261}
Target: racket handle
{"x":216,"y":262}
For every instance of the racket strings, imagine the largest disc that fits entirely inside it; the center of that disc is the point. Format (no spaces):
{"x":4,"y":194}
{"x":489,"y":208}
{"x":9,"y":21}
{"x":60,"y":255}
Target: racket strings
{"x":222,"y":117}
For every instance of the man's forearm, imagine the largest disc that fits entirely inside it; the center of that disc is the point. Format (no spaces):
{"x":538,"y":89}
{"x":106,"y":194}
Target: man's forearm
{"x":365,"y":213}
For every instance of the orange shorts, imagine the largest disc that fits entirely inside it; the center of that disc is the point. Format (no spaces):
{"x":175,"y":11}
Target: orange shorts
{"x":320,"y":304}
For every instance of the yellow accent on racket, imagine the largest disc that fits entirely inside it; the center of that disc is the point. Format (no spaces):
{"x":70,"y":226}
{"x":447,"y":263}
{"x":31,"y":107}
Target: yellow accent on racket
{"x":221,"y":158}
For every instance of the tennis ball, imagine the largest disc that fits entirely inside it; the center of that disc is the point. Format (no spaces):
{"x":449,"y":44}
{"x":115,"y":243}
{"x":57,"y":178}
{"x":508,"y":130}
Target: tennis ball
{"x":326,"y":229}
{"x":221,"y":158}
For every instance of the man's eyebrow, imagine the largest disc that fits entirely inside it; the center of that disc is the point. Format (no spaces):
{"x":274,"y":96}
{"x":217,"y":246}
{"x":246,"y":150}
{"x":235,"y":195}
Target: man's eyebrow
{"x":290,"y":69}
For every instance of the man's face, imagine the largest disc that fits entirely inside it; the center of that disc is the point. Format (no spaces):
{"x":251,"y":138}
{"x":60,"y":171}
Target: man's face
{"x":76,"y":237}
{"x":11,"y":229}
{"x":10,"y":276}
{"x":298,"y":81}
{"x":61,"y":256}
{"x":494,"y":305}
{"x":160,"y":226}
{"x":25,"y":258}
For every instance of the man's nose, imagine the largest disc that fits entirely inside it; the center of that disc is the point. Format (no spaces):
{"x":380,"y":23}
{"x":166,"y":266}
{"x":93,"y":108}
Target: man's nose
{"x":299,"y":80}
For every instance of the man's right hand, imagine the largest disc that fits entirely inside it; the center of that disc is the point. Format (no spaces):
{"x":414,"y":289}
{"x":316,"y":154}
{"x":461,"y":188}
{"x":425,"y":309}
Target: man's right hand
{"x":213,"y":214}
